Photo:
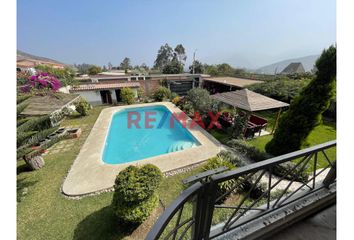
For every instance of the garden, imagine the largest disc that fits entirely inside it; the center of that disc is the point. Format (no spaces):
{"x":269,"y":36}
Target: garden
{"x":142,"y":193}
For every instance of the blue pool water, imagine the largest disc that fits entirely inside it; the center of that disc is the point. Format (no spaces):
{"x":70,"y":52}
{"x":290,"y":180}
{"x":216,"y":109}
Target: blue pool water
{"x":126,"y":144}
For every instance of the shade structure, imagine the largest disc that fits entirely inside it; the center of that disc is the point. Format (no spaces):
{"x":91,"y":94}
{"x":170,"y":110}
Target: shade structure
{"x":248,"y":100}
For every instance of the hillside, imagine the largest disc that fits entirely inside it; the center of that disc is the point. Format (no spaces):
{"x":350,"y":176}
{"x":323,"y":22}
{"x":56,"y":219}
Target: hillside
{"x":21,"y":55}
{"x":308,"y":63}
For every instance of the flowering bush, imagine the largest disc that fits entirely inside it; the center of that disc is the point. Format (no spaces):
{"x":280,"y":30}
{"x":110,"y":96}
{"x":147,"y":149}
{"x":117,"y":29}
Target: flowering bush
{"x":41,"y":81}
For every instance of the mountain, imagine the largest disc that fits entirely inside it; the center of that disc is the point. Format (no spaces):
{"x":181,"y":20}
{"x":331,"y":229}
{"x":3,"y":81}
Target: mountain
{"x":308,"y":62}
{"x":24,"y":55}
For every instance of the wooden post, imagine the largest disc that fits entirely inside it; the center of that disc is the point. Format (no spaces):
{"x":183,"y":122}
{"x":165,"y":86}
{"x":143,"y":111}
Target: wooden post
{"x":276,"y":121}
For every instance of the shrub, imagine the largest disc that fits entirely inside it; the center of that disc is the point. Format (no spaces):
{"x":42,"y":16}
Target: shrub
{"x":305,"y":110}
{"x":217,"y":162}
{"x":135,"y":192}
{"x":41,"y":83}
{"x":300,"y":176}
{"x":35,"y":124}
{"x":173,"y":95}
{"x":246,"y":149}
{"x":135,"y":213}
{"x":162,"y":94}
{"x":239,"y":125}
{"x":82,"y":107}
{"x":256,"y":155}
{"x":283,"y":89}
{"x":141,"y":93}
{"x":176,"y":100}
{"x":232,"y":157}
{"x":257,"y":191}
{"x":200,"y":100}
{"x":127,"y":96}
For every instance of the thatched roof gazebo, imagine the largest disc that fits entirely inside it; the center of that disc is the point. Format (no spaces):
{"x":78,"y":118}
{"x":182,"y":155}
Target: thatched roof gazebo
{"x":250,"y":101}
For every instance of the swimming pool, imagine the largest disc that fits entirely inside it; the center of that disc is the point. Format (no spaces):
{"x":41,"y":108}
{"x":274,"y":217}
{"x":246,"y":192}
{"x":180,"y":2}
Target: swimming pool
{"x":143,"y":132}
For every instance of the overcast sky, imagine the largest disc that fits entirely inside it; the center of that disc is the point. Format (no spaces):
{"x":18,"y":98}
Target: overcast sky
{"x":247,"y":34}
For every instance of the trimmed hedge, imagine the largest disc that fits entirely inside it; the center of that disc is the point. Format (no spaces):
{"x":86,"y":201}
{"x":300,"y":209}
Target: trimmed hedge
{"x":134,"y":212}
{"x":135,"y":192}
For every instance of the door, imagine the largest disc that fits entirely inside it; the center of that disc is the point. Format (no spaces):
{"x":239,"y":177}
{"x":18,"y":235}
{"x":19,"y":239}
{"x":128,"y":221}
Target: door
{"x":119,"y":98}
{"x":106,"y":97}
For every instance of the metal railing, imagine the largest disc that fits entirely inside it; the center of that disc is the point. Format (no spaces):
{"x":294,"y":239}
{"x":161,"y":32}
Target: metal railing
{"x":206,"y":210}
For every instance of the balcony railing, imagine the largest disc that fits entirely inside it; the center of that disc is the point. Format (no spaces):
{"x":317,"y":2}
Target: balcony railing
{"x":206,"y":210}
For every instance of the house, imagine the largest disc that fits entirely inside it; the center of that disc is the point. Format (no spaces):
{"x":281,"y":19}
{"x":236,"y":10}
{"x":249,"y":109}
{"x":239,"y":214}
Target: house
{"x":293,"y":68}
{"x":105,"y":89}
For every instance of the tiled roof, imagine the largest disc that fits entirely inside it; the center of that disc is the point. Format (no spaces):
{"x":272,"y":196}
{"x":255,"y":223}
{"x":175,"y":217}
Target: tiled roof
{"x":232,"y":81}
{"x":248,"y":100}
{"x":104,"y":86}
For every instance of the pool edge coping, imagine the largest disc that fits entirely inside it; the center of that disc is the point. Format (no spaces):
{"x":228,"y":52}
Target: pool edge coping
{"x":88,"y":173}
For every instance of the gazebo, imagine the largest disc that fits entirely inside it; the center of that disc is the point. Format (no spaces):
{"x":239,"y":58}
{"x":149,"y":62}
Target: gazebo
{"x":250,"y":101}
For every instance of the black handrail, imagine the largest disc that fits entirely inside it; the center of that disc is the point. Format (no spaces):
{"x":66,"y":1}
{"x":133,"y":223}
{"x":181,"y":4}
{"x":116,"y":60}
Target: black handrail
{"x":271,"y":162}
{"x":169,"y":213}
{"x":206,"y":194}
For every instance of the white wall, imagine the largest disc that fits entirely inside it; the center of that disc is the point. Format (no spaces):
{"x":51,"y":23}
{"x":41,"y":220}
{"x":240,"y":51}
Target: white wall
{"x":93,"y":97}
{"x":65,"y":89}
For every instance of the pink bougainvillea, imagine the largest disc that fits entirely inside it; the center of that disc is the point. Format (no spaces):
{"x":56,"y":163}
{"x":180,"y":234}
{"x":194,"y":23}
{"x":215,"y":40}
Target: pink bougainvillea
{"x":41,"y":81}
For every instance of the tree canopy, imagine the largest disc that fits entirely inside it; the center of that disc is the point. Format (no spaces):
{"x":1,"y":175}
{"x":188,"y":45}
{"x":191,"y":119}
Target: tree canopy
{"x":164,"y":56}
{"x":93,"y":70}
{"x":180,"y":54}
{"x":174,"y":67}
{"x":125,"y":64}
{"x":198,"y":67}
{"x":174,"y":58}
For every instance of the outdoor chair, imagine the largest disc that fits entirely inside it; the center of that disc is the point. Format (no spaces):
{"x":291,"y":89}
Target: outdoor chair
{"x":260,"y":123}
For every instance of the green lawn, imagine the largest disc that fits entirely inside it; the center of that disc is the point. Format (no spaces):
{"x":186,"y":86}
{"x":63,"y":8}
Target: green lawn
{"x":44,"y":213}
{"x":322,"y":133}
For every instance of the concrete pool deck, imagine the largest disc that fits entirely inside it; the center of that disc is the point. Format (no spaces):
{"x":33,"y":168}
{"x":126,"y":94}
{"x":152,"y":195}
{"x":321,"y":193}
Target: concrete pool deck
{"x":89,"y":174}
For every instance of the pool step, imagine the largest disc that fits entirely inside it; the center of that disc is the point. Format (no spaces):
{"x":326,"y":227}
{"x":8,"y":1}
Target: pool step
{"x":181,"y":145}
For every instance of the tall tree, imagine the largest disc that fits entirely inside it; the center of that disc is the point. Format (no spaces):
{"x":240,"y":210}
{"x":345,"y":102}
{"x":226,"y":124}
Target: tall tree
{"x":174,"y":67}
{"x":83,"y":68}
{"x":198,"y":67}
{"x":93,"y":70}
{"x":180,"y":54}
{"x":125,"y":64}
{"x":144,"y":66}
{"x":164,"y":56}
{"x":224,"y":69}
{"x":306,"y":109}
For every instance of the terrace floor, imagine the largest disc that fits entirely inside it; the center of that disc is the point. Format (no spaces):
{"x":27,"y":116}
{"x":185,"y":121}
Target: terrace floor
{"x":321,"y":226}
